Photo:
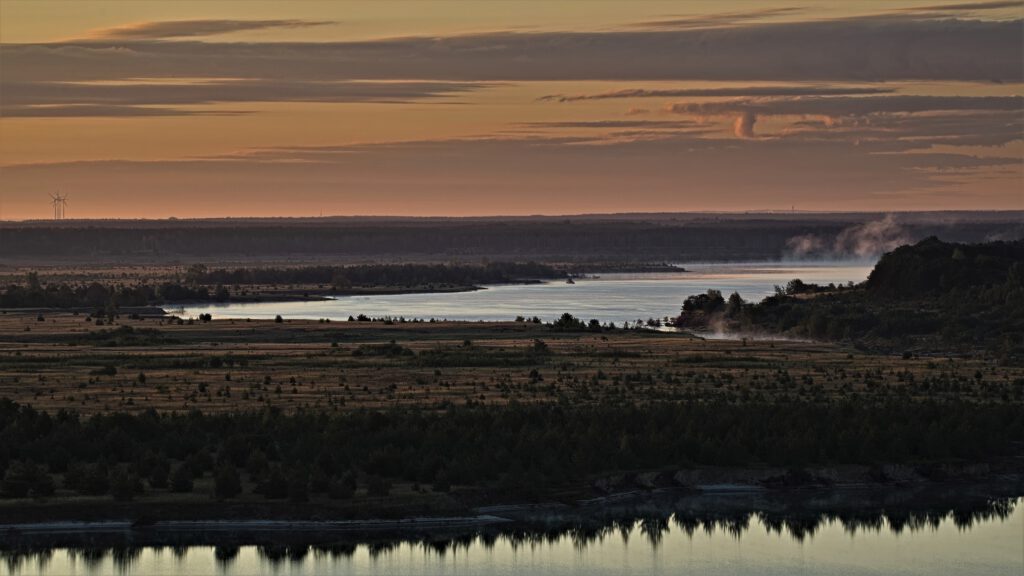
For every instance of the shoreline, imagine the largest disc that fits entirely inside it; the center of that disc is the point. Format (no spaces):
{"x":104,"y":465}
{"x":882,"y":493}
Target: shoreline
{"x":796,"y":508}
{"x":465,"y":501}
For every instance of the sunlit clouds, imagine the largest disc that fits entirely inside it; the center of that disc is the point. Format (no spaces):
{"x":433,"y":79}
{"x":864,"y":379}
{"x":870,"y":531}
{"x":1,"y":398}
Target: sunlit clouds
{"x":912,"y":106}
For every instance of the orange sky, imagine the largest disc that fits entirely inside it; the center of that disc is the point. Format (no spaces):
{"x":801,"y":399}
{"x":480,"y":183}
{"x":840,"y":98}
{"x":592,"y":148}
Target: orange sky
{"x":197,"y":109}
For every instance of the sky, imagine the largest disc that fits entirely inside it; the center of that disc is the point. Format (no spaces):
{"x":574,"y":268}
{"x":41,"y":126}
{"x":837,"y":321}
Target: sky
{"x":236,"y":108}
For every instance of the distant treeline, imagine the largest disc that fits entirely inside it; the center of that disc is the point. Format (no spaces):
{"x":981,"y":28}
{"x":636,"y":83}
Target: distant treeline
{"x":103,"y":298}
{"x":729,"y":237}
{"x":518,"y":448}
{"x":407,"y":275}
{"x":932,"y":295}
{"x":202,"y":284}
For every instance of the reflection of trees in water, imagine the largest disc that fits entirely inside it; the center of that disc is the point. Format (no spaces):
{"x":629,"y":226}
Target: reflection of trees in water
{"x":226,"y":553}
{"x":581,"y":531}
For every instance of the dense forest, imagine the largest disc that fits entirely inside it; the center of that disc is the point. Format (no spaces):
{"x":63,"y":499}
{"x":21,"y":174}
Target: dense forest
{"x":519,"y":449}
{"x":930,"y":296}
{"x":201,"y":284}
{"x":679,"y":237}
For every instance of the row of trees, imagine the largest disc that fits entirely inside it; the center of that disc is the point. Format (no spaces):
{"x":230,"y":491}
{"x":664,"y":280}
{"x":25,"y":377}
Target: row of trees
{"x":33,"y":294}
{"x":519,"y":448}
{"x":202,"y":284}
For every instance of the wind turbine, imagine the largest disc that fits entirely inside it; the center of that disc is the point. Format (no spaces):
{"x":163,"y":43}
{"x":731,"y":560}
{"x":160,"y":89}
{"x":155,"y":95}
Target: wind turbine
{"x":60,"y":205}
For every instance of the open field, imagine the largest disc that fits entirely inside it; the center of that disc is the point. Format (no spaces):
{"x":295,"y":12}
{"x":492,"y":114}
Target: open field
{"x":65,"y":361}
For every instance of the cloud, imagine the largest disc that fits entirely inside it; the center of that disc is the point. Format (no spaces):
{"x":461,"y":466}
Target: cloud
{"x":966,"y":7}
{"x":192,"y":28}
{"x":715,"y":20}
{"x":910,"y":131}
{"x":852,"y":106}
{"x":872,"y":49}
{"x":744,"y":125}
{"x":127,"y":99}
{"x":721,"y":92}
{"x":614,"y":124}
{"x":91,"y":110}
{"x":873,"y":116}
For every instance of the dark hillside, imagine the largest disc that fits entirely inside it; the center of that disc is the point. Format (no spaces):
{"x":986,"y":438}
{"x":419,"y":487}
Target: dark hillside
{"x":933,"y":267}
{"x":930,"y":297}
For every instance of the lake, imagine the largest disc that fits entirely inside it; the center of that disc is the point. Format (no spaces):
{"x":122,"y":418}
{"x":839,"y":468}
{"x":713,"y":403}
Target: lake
{"x":610,"y":298}
{"x":986,"y":537}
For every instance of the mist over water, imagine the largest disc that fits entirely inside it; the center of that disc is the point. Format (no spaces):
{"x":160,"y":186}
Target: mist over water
{"x":864,"y":241}
{"x":610,"y":298}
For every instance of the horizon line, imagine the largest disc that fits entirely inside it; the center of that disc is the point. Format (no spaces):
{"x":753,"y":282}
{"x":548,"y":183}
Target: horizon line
{"x":767,"y":212}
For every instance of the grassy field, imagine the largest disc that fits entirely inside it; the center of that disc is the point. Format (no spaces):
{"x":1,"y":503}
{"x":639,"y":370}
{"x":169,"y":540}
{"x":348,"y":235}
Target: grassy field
{"x":61,"y":360}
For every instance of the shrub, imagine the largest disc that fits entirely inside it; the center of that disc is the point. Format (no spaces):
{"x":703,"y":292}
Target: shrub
{"x":181,"y":478}
{"x":227,"y":482}
{"x":377,"y":486}
{"x":441,"y":483}
{"x":298,"y":486}
{"x":342,"y":488}
{"x":275,"y":487}
{"x":124,"y":484}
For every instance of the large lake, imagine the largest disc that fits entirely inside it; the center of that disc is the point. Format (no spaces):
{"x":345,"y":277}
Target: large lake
{"x":989,"y":540}
{"x":610,"y":298}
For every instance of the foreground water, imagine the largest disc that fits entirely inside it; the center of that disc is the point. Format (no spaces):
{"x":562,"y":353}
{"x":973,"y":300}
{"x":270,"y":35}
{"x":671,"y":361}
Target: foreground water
{"x":611,"y":298}
{"x":987,"y":540}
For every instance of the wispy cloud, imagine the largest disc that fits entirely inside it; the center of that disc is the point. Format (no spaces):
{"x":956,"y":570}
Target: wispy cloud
{"x":105,"y":111}
{"x":870,"y":49}
{"x":966,"y":6}
{"x":721,"y":92}
{"x":974,"y":119}
{"x":603,"y":124}
{"x":135,"y":99}
{"x":903,"y":132}
{"x":848,"y":106}
{"x":192,"y":28}
{"x":715,"y":20}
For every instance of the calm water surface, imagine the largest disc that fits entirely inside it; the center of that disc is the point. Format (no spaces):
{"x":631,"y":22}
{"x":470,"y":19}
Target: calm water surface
{"x":992,"y":545}
{"x":611,"y":298}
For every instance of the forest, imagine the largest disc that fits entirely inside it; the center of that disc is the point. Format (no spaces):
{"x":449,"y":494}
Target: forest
{"x":520,"y":450}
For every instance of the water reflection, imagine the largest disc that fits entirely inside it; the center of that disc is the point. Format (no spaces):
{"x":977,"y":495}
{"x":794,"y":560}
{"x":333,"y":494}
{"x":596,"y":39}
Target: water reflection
{"x":646,"y":520}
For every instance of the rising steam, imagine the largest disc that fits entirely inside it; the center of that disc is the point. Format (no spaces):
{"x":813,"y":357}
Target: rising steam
{"x":861,"y":241}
